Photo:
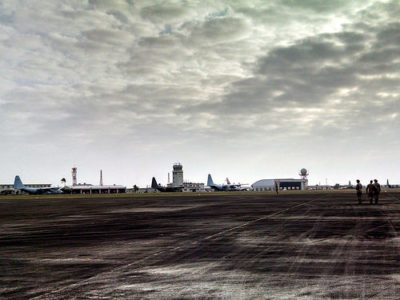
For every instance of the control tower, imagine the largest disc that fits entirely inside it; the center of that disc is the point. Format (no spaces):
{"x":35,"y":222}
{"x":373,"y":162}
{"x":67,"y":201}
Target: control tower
{"x":177,"y":175}
{"x":74,"y":171}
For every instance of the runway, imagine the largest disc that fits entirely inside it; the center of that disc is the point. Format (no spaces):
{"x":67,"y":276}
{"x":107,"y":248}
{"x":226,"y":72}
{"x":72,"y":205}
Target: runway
{"x":229,"y":246}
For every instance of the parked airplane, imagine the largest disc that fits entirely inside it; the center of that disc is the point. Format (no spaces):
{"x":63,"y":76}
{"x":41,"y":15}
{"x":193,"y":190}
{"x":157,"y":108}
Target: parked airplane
{"x":18,"y":185}
{"x":223,"y":187}
{"x":157,"y":186}
{"x":391,"y":186}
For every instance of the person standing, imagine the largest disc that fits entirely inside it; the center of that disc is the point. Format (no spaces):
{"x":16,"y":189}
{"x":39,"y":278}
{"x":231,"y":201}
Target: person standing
{"x":277,"y":187}
{"x":359,"y":191}
{"x":370,"y":191}
{"x":377,"y":191}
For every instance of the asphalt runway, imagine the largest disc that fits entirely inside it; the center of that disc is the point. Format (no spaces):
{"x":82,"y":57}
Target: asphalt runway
{"x":228,"y":246}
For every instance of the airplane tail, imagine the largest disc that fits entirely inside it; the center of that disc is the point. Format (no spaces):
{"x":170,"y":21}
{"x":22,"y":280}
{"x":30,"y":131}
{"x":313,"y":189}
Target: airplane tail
{"x":227,"y":180}
{"x":209,"y":180}
{"x":154,"y":184}
{"x":18,"y":183}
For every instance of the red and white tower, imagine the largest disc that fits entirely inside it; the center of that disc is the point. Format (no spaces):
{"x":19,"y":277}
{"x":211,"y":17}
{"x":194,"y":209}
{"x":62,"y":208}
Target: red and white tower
{"x":74,"y":171}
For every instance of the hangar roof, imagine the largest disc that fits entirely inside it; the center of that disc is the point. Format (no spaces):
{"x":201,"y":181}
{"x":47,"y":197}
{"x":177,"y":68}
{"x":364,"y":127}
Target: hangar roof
{"x":271,"y":182}
{"x":96,"y":187}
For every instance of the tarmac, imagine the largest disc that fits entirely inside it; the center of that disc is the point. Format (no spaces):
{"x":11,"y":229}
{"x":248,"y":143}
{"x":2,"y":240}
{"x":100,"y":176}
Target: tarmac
{"x":309,"y":245}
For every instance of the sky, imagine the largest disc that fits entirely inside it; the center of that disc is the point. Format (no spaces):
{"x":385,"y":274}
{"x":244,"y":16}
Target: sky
{"x":240,"y":89}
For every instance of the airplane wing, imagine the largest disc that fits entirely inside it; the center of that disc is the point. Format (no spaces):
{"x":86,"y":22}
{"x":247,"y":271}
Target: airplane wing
{"x":7,"y":192}
{"x":50,"y":190}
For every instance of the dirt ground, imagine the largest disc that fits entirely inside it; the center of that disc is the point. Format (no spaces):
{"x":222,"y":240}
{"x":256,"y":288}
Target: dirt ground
{"x":230,"y":246}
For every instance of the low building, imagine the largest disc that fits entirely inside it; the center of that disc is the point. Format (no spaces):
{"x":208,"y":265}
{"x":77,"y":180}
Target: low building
{"x":323,"y":187}
{"x":193,"y":187}
{"x":95,"y":189}
{"x":145,"y":190}
{"x":281,"y":183}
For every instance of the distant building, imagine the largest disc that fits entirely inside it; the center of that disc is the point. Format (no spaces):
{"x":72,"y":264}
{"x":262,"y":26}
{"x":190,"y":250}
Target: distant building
{"x":95,"y":189}
{"x":193,"y":187}
{"x":282,"y":183}
{"x":85,"y":188}
{"x":392,"y":186}
{"x":143,"y":190}
{"x":320,"y":187}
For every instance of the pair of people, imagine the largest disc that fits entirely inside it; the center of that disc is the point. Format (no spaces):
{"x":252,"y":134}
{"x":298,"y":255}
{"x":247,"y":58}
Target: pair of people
{"x":373,"y":190}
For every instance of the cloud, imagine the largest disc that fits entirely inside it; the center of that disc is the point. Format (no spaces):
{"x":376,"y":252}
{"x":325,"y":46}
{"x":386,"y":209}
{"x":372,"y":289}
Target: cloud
{"x":313,"y":72}
{"x":198,"y":77}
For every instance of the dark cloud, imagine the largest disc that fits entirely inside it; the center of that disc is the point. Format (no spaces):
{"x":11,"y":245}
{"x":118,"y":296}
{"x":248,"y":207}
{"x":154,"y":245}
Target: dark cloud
{"x":162,"y":13}
{"x":106,"y":36}
{"x":316,"y":5}
{"x":6,"y":18}
{"x":390,"y":35}
{"x":217,"y":30}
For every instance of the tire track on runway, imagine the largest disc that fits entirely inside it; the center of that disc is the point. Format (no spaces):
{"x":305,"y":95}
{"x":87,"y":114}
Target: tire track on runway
{"x":244,"y":252}
{"x":393,"y":249}
{"x":335,"y":258}
{"x":184,"y":246}
{"x":265,"y":250}
{"x":216,"y":239}
{"x":300,"y":262}
{"x":351,"y":254}
{"x":388,"y":250}
{"x":262,"y":284}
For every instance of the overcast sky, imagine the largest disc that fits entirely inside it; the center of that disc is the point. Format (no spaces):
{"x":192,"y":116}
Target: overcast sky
{"x":240,"y":89}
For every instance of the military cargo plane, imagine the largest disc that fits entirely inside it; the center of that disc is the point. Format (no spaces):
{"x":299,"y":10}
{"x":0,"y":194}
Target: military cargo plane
{"x":163,"y":189}
{"x":224,"y":187}
{"x":18,"y":185}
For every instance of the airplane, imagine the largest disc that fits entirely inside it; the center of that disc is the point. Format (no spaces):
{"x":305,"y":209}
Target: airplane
{"x":387,"y":183}
{"x":18,"y":185}
{"x":164,"y":189}
{"x":223,"y":187}
{"x":391,"y":186}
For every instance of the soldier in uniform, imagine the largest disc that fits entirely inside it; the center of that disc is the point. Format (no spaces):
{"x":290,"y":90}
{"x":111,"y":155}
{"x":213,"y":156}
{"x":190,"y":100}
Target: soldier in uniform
{"x":370,"y":191}
{"x":377,"y":191}
{"x":359,"y":191}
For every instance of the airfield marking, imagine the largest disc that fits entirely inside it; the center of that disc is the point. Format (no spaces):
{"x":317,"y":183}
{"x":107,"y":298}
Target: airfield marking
{"x":210,"y":237}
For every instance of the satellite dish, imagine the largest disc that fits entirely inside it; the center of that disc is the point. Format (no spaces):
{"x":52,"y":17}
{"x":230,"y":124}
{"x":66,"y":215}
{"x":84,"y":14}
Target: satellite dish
{"x":303,"y":173}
